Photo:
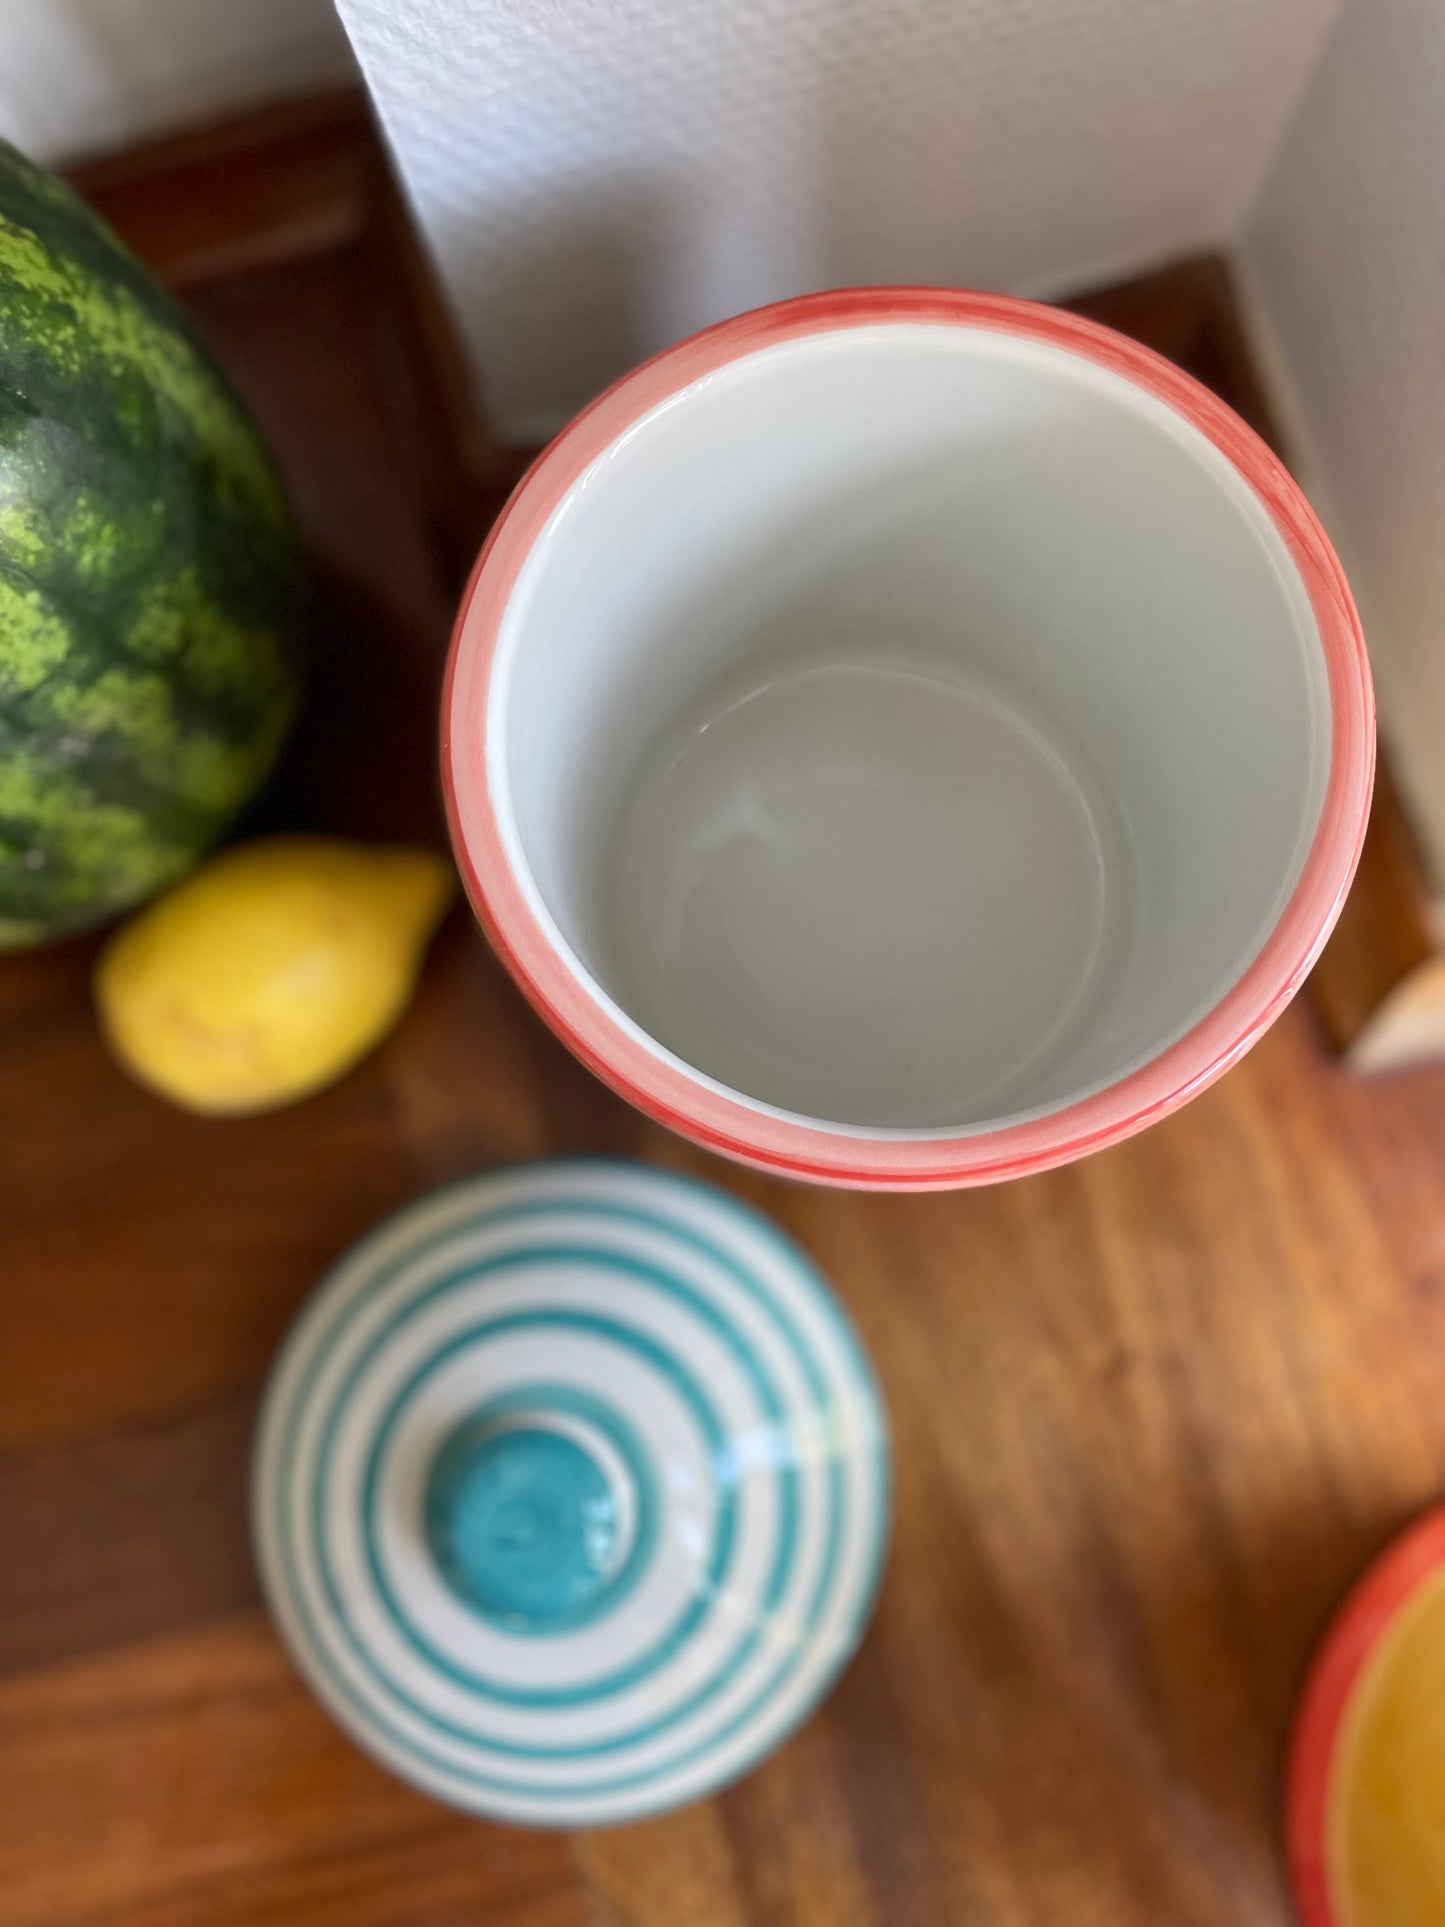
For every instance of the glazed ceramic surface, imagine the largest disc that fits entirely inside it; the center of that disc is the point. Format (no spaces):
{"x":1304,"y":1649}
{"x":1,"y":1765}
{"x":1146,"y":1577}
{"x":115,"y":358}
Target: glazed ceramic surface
{"x":908,"y":738}
{"x":570,"y":1492}
{"x":1353,"y":1661}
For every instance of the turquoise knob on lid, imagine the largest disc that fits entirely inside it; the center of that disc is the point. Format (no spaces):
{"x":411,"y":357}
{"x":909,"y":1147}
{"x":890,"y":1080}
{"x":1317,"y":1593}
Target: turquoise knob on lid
{"x":522,"y":1522}
{"x":540,"y":1508}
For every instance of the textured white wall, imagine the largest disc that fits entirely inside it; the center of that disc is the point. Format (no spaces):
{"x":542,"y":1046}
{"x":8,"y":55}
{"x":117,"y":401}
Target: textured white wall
{"x":1345,"y":258}
{"x":598,"y":177}
{"x":78,"y":77}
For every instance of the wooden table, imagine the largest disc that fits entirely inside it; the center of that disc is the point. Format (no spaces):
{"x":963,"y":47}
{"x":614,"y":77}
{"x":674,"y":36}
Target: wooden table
{"x":1151,"y":1413}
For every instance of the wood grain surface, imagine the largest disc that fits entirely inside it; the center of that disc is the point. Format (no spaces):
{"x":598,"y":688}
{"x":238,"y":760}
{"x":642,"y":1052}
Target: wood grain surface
{"x":1151,"y":1413}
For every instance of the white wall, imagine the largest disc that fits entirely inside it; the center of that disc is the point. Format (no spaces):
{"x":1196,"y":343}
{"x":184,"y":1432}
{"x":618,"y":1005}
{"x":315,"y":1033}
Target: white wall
{"x":598,"y":177}
{"x":1345,"y":258}
{"x":78,"y":77}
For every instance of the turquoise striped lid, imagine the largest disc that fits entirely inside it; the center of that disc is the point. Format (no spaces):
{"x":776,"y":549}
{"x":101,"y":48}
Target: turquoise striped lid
{"x":570,"y":1492}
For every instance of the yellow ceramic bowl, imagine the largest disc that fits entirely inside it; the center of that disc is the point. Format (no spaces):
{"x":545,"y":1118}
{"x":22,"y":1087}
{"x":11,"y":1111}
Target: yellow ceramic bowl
{"x":1365,"y":1804}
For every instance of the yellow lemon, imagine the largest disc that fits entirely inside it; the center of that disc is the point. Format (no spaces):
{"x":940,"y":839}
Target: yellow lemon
{"x":271,"y":969}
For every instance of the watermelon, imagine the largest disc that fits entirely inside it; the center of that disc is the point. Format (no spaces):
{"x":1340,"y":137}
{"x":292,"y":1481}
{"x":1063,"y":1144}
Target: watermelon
{"x":150,"y":581}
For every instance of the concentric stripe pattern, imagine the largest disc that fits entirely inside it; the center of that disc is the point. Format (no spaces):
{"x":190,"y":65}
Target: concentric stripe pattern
{"x":601,"y":1343}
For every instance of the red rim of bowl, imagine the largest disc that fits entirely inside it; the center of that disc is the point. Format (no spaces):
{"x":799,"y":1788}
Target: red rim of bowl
{"x":658,"y":1083}
{"x":1368,"y":1613}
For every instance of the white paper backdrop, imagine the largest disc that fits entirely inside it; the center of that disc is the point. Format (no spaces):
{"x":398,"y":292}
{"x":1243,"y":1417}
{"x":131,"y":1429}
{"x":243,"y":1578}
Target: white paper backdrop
{"x":598,"y":177}
{"x":1346,"y":255}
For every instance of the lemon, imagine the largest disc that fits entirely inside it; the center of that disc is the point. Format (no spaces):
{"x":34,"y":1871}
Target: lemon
{"x":271,"y":969}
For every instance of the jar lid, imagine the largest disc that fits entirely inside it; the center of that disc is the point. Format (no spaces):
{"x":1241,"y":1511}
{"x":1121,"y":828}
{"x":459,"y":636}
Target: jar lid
{"x":570,"y":1492}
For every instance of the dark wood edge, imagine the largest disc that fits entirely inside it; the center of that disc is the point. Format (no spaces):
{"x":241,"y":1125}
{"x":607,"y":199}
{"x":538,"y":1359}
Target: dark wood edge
{"x":278,"y":185}
{"x":463,"y":493}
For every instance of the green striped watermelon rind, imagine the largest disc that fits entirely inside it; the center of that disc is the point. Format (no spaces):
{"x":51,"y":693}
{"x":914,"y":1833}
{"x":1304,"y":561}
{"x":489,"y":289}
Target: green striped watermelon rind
{"x":151,"y":596}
